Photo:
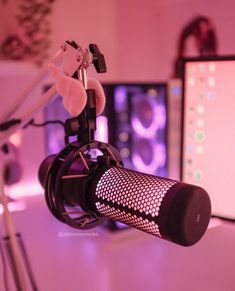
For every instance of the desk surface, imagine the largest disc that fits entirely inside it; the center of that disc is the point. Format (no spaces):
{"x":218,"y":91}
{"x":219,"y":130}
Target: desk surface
{"x":63,"y":258}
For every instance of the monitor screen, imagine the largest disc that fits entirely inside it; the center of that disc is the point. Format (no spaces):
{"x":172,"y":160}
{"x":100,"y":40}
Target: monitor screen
{"x":208,"y":138}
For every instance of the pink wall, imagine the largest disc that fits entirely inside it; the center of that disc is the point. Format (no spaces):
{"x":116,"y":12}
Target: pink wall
{"x":138,"y":37}
{"x":88,"y":22}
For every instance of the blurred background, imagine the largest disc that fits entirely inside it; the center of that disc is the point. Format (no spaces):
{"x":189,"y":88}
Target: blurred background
{"x":143,"y":42}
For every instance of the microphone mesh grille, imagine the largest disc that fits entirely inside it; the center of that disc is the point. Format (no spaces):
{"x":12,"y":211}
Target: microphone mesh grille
{"x":138,"y":222}
{"x":131,"y":197}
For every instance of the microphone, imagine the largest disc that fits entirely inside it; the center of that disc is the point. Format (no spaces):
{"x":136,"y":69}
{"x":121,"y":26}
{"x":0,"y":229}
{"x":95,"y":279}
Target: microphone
{"x":102,"y":188}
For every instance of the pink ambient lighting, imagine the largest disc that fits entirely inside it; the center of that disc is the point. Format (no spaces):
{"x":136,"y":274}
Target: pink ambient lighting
{"x":14,"y":206}
{"x":120,"y":98}
{"x":25,"y":189}
{"x":102,"y":129}
{"x":16,"y":138}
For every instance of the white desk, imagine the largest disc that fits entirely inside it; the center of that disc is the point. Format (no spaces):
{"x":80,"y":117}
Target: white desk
{"x":129,"y":260}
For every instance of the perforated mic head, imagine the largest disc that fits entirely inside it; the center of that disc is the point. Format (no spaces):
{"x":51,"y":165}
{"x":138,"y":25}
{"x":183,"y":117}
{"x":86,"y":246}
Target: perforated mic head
{"x":172,"y":210}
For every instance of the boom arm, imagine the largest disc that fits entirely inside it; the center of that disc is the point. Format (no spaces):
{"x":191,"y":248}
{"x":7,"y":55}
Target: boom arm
{"x":73,"y":60}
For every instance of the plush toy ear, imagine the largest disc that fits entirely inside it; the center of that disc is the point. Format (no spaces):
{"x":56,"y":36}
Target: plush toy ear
{"x":99,"y":93}
{"x":71,"y":90}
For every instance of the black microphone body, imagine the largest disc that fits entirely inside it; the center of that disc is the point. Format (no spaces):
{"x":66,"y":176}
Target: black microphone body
{"x":172,"y":210}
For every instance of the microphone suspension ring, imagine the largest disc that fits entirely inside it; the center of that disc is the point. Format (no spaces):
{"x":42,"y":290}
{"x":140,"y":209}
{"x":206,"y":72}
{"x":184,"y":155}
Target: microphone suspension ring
{"x":60,"y":172}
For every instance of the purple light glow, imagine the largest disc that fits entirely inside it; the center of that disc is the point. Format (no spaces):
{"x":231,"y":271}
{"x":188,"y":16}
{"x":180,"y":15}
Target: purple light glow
{"x":25,"y":189}
{"x":158,"y":159}
{"x":102,"y":129}
{"x":158,"y":121}
{"x":120,"y":98}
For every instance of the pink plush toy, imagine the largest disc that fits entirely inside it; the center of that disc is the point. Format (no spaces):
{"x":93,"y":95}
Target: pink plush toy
{"x":73,"y":92}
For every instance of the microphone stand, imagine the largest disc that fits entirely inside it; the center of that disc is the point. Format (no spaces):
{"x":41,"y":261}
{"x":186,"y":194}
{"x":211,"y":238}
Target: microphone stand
{"x":13,"y":246}
{"x":67,"y":57}
{"x":25,"y":258}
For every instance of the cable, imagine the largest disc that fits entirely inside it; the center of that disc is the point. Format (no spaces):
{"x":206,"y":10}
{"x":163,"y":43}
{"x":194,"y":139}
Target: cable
{"x":32,"y":123}
{"x":6,"y":125}
{"x":223,"y":218}
{"x":4,"y":269}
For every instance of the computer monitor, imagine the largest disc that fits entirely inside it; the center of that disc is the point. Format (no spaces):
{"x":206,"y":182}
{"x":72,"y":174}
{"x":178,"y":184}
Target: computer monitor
{"x":208,"y":133}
